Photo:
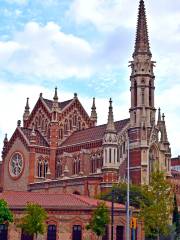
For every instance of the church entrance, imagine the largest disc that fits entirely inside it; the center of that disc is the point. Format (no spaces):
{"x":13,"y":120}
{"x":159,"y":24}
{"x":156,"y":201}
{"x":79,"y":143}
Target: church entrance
{"x":51,"y":234}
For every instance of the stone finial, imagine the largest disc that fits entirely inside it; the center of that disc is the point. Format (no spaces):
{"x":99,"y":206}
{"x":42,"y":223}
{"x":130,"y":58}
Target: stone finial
{"x":40,"y":95}
{"x":159,"y":115}
{"x":93,"y":112}
{"x":75,"y":95}
{"x":163,"y":117}
{"x":18,"y":123}
{"x":5,"y":139}
{"x":26,"y":110}
{"x":33,"y":136}
{"x":55,"y":98}
{"x":110,"y":124}
{"x":142,"y":39}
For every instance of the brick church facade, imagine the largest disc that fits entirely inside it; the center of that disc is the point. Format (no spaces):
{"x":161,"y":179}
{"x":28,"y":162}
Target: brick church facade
{"x":59,"y":148}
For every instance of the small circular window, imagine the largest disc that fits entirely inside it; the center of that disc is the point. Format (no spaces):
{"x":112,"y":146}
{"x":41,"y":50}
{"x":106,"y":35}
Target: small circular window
{"x":16,"y":165}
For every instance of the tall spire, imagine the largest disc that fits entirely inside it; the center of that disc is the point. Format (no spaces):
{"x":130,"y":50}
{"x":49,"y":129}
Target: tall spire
{"x":142,"y":40}
{"x":110,"y":125}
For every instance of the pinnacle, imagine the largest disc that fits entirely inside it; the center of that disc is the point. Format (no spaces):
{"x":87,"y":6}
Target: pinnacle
{"x":142,"y":40}
{"x":110,"y":124}
{"x":27,"y":105}
{"x":55,"y":95}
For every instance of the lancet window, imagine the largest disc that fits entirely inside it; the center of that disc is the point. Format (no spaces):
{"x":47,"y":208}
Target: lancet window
{"x":42,"y":167}
{"x":58,"y":168}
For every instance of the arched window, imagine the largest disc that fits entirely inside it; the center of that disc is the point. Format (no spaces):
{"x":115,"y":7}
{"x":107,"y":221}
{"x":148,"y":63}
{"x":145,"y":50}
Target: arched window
{"x":75,"y":120}
{"x":77,"y":232}
{"x":110,"y":155}
{"x":135,"y":93}
{"x":66,"y":126}
{"x":106,"y":155}
{"x":61,"y":133}
{"x":51,"y":232}
{"x":76,"y":166}
{"x":45,"y":167}
{"x":4,"y":231}
{"x":79,"y":125}
{"x":40,"y":168}
{"x":70,"y":124}
{"x":83,"y":126}
{"x":114,"y":155}
{"x":58,"y":168}
{"x":134,"y":117}
{"x":93,"y":163}
{"x":43,"y":125}
{"x":39,"y":120}
{"x":142,"y":96}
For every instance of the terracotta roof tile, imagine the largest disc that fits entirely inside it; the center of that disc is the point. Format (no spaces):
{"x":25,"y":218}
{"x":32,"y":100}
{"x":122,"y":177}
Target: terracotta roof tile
{"x":41,"y":141}
{"x":92,"y":134}
{"x":61,"y":104}
{"x":51,"y":200}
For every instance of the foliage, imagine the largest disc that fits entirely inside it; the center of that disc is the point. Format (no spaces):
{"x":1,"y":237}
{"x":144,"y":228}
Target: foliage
{"x":99,"y":220}
{"x":156,"y":216}
{"x":120,"y":195}
{"x":6,"y":215}
{"x":34,"y":220}
{"x":176,"y":218}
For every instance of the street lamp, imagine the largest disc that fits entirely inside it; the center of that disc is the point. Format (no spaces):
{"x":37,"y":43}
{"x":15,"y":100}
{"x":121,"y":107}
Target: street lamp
{"x":112,"y":215}
{"x":127,"y":205}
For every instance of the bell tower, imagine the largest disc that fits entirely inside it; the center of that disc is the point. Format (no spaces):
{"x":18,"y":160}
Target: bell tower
{"x":142,"y":110}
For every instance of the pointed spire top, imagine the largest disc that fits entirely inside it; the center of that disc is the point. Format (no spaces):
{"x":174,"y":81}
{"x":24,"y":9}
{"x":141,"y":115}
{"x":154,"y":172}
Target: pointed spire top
{"x":5,"y":139}
{"x":110,"y":124}
{"x":159,"y":115}
{"x":55,"y":95}
{"x":93,"y":111}
{"x":27,"y":105}
{"x":142,"y":40}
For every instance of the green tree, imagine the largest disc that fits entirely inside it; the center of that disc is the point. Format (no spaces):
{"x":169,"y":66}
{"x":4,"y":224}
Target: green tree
{"x":137,"y":195}
{"x":99,"y":220}
{"x":156,"y":216}
{"x":176,"y":218}
{"x":6,"y":215}
{"x":33,"y":223}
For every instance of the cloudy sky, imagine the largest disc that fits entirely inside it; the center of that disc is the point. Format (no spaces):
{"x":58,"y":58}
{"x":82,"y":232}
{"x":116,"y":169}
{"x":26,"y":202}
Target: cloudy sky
{"x":84,"y":46}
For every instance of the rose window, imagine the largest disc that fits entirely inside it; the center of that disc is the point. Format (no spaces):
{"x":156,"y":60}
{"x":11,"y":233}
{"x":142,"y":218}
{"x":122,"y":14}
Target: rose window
{"x":16,"y":165}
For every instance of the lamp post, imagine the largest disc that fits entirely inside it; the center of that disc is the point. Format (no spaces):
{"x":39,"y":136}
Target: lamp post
{"x":127,"y":205}
{"x":112,"y":215}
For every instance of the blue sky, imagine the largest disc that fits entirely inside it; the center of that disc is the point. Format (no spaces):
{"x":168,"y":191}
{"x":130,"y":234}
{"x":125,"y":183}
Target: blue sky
{"x":84,"y":46}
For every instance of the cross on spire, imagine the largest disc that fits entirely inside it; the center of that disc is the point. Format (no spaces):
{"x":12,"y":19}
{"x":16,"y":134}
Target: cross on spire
{"x":142,"y":40}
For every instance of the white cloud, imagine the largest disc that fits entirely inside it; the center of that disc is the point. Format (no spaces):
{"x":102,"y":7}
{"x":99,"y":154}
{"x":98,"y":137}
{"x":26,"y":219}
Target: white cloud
{"x":13,"y":100}
{"x":106,"y":15}
{"x":45,"y":51}
{"x":169,"y":102}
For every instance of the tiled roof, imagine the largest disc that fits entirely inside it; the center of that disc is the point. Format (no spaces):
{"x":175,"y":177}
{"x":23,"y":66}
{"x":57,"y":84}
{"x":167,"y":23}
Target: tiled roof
{"x":51,"y":200}
{"x":41,"y":141}
{"x":62,"y":105}
{"x":92,"y":134}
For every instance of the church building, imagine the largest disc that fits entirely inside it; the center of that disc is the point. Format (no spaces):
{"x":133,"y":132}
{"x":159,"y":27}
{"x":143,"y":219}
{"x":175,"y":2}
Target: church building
{"x":59,"y":148}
